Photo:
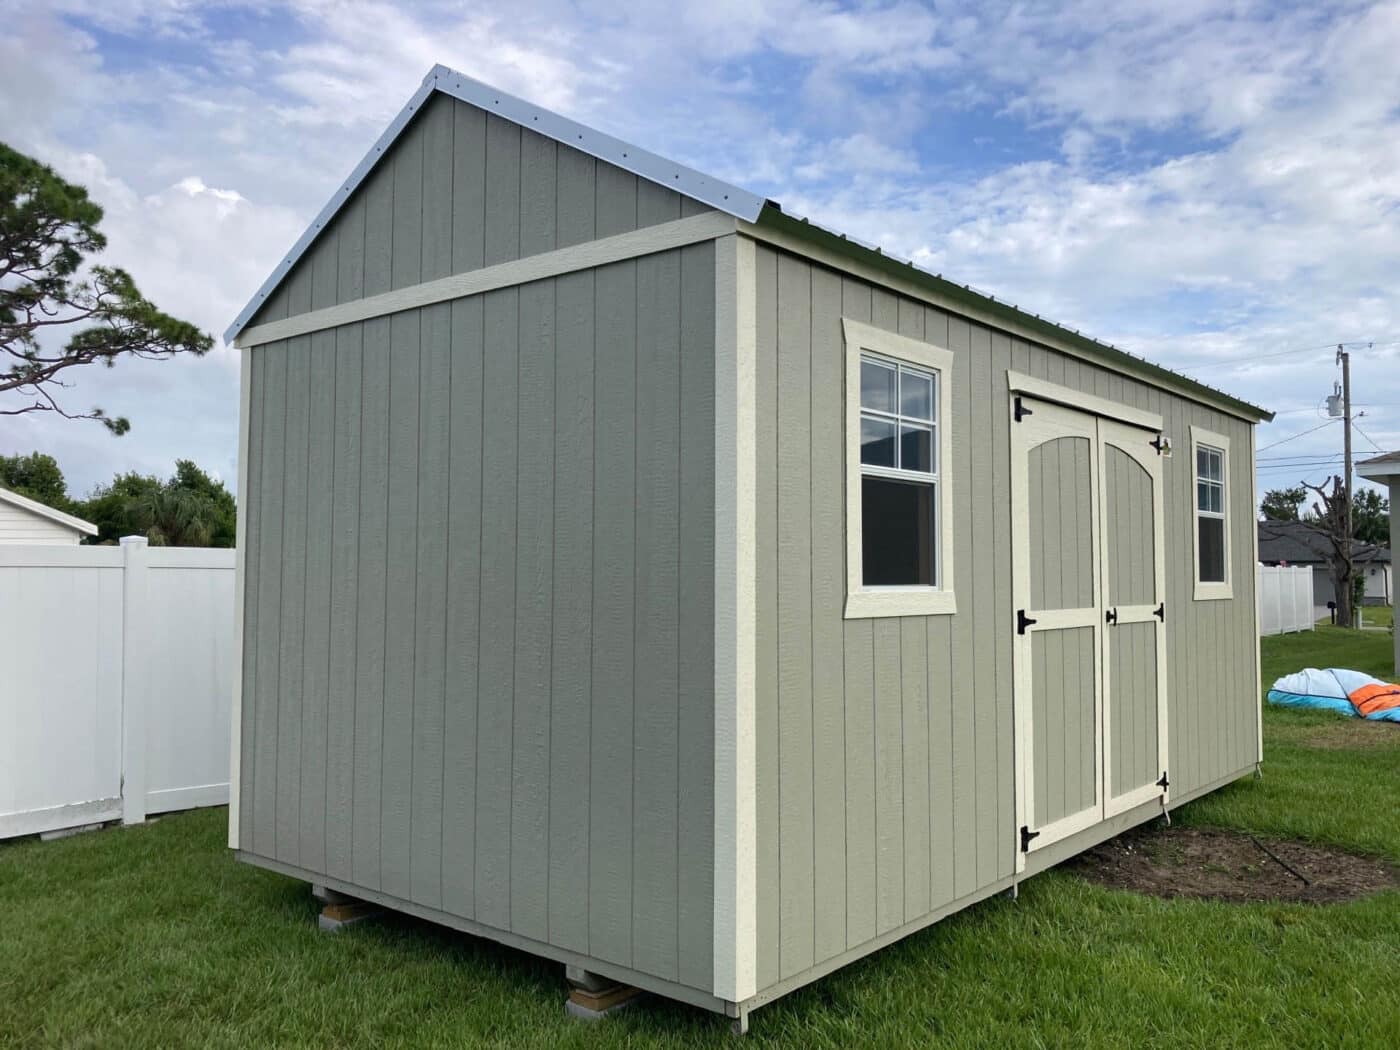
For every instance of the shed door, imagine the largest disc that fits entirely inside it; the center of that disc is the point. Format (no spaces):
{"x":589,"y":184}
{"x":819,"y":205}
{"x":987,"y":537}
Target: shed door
{"x":1087,"y":573}
{"x":1135,"y":712}
{"x":1056,"y":560}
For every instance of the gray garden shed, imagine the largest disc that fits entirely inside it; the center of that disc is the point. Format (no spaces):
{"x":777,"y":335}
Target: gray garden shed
{"x":644,"y":577}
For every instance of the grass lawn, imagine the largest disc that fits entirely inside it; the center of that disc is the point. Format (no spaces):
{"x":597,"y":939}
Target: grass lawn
{"x":152,"y":936}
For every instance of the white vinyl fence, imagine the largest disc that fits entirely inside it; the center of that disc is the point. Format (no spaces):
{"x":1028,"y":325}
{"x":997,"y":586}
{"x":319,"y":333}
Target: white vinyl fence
{"x":116,"y":682}
{"x":1285,"y":598}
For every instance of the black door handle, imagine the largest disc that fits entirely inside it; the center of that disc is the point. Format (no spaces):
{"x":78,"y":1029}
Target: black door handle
{"x":1110,"y":617}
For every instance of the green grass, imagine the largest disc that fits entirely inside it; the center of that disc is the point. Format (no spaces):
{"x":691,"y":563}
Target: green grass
{"x":152,"y":936}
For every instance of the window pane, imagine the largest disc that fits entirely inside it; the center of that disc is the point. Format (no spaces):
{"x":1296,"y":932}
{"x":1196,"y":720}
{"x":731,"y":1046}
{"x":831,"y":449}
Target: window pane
{"x":1202,"y":496}
{"x":897,"y":522}
{"x":915,"y":448}
{"x":1212,"y":544}
{"x":1217,"y":499}
{"x":915,"y":394}
{"x":876,"y":442}
{"x":1216,"y":462}
{"x":1202,"y":463}
{"x":877,"y":384}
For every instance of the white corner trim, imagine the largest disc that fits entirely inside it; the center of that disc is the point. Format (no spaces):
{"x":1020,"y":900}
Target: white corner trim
{"x":646,"y":241}
{"x":1044,"y":390}
{"x":1212,"y":592}
{"x":235,"y":736}
{"x":863,"y":602}
{"x":736,"y":807}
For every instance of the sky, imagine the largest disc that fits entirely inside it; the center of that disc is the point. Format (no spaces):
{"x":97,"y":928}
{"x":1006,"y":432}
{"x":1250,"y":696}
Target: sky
{"x":1215,"y":186}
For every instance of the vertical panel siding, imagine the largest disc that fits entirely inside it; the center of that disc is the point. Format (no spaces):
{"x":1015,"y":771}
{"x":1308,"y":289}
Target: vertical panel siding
{"x":885,"y":771}
{"x":481,"y":652}
{"x":461,"y":189}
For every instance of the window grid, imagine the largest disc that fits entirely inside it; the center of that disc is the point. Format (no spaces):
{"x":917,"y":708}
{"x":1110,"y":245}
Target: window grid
{"x":903,"y":421}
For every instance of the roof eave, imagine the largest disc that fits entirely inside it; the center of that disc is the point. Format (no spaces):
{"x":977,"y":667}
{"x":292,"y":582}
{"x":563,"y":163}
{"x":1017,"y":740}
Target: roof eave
{"x":774,"y":217}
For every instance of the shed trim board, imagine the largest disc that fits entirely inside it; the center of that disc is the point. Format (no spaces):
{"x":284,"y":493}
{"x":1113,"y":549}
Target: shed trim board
{"x":1098,"y":406}
{"x":1203,"y":591}
{"x":735,"y":925}
{"x":864,"y":602}
{"x":1254,"y":560}
{"x":586,"y":256}
{"x":235,"y":737}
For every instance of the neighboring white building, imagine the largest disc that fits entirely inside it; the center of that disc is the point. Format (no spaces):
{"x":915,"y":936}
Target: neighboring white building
{"x":23,"y":520}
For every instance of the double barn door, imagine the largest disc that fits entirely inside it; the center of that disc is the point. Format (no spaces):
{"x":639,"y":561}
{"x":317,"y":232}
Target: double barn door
{"x":1090,"y":619}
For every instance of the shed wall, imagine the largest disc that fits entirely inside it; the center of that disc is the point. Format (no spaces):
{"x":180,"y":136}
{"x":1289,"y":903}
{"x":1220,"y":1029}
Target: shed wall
{"x":18,"y":525}
{"x":463,"y":189}
{"x":884,"y":767}
{"x":479,"y":653}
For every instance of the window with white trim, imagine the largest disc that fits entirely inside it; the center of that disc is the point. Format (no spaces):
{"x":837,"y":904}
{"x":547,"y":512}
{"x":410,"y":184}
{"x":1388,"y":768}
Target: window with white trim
{"x":898,"y":554}
{"x":1210,"y":454}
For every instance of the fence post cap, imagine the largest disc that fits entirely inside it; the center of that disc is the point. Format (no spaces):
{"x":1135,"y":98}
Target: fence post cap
{"x":134,"y":541}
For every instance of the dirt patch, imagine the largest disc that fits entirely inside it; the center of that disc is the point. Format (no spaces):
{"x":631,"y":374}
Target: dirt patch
{"x":1354,"y":735}
{"x":1213,"y":864}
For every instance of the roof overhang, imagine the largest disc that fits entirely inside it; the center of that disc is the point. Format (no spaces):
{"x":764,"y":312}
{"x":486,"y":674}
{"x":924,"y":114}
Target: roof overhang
{"x":43,"y":510}
{"x":1381,"y":468}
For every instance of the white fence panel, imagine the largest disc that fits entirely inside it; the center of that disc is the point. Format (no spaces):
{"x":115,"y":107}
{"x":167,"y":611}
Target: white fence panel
{"x":1285,"y":599}
{"x":117,"y":682}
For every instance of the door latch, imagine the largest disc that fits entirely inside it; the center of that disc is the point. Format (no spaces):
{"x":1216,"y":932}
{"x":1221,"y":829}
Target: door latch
{"x":1110,"y":617}
{"x":1161,"y":612}
{"x":1023,"y":621}
{"x":1164,"y":782}
{"x":1021,"y":409}
{"x":1026,"y":835}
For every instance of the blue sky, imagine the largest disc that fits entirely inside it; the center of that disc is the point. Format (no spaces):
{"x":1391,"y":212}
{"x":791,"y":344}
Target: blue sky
{"x":1212,"y":186}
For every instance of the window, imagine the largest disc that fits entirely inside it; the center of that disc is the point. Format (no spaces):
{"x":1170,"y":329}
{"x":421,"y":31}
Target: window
{"x":899,"y":558}
{"x":1210,"y":453}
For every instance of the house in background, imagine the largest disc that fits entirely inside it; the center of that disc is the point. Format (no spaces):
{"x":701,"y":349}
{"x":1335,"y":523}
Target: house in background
{"x":23,"y":520}
{"x":1385,"y":470}
{"x":1297,"y":543}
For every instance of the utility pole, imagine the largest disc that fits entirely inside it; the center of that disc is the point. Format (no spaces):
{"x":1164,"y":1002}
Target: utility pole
{"x":1344,"y":359}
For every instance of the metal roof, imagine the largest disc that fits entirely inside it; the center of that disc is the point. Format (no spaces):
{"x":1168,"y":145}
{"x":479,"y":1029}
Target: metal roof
{"x":43,"y":510}
{"x":740,"y":203}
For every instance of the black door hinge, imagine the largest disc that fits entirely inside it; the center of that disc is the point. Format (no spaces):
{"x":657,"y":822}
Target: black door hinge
{"x":1023,"y":621}
{"x":1026,"y":835}
{"x":1110,"y":617}
{"x":1160,"y":445}
{"x":1021,"y":410}
{"x":1164,"y":782}
{"x":1161,"y":612}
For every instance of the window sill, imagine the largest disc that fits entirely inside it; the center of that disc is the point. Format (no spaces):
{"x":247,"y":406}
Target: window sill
{"x":1212,"y":592}
{"x":864,"y":605}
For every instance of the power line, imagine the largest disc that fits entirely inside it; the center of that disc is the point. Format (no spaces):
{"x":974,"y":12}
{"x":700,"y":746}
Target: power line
{"x":1227,"y":361}
{"x":1368,"y":437}
{"x":1291,"y":437}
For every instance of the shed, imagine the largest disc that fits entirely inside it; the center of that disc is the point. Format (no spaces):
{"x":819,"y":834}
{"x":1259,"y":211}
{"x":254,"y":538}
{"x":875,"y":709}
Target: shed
{"x":642,"y":576}
{"x":25,"y":520}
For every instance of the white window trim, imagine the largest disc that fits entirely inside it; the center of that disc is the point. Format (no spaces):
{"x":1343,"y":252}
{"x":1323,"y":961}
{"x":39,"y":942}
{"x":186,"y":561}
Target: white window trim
{"x":864,"y":602}
{"x":1208,"y":592}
